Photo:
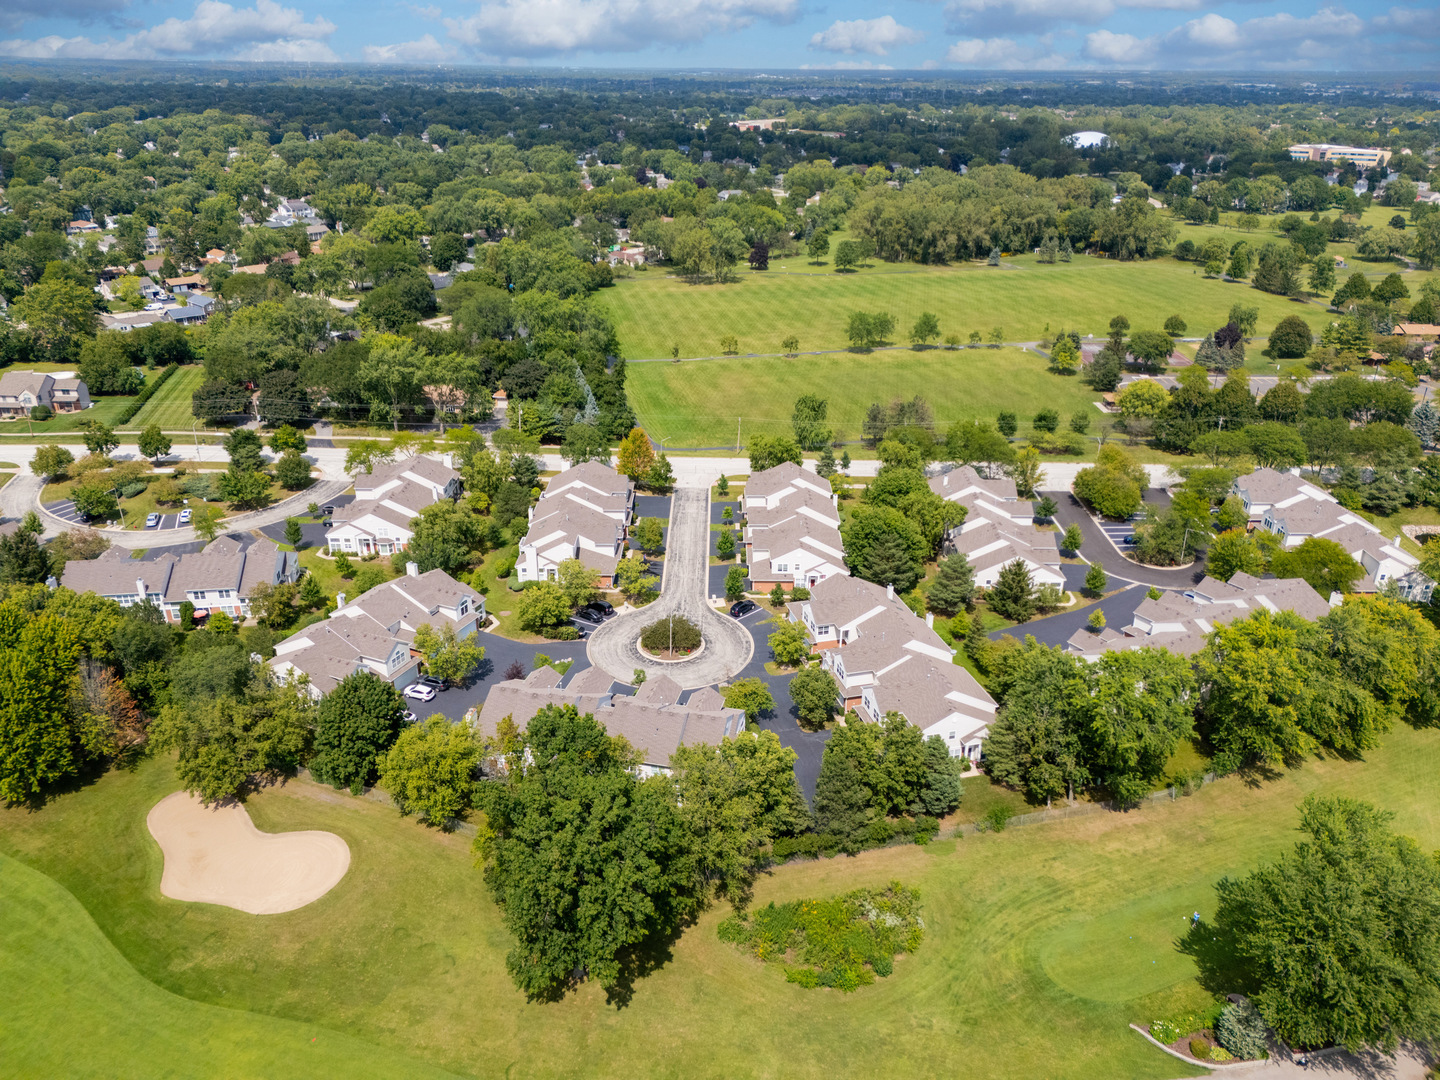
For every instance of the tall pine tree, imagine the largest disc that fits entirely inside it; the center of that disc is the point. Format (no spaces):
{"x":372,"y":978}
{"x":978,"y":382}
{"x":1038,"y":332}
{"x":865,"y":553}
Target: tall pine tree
{"x":954,"y":586}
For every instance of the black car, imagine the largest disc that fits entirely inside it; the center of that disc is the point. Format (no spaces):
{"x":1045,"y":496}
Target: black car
{"x":742,"y":608}
{"x":582,"y":629}
{"x":599,"y":611}
{"x":431,"y":680}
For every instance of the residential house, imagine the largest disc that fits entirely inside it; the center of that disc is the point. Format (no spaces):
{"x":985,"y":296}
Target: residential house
{"x":222,"y":577}
{"x":133,"y":320}
{"x":376,"y":631}
{"x":652,"y":720}
{"x":1180,"y":622}
{"x":884,"y":658}
{"x":21,"y":391}
{"x":584,"y":514}
{"x":387,"y":500}
{"x":153,"y":244}
{"x":1417,"y":331}
{"x":999,"y":529}
{"x":80,"y":227}
{"x":792,"y":529}
{"x":1296,"y":511}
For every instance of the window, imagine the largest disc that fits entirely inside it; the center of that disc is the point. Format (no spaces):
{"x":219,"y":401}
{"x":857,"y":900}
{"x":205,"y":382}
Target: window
{"x":464,"y":605}
{"x":225,"y":594}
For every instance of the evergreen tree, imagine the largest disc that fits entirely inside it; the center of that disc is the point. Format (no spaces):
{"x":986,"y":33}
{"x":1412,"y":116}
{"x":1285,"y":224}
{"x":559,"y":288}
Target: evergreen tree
{"x":890,"y":562}
{"x":842,"y":801}
{"x":1209,"y":355}
{"x":1013,"y":594}
{"x":1425,"y":423}
{"x":954,"y":586}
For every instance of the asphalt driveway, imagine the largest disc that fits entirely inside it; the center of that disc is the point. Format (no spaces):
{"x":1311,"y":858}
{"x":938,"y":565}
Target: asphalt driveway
{"x":1098,"y":548}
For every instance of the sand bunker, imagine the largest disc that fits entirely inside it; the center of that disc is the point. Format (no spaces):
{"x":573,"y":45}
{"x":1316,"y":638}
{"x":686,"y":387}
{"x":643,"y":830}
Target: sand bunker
{"x":216,"y":855}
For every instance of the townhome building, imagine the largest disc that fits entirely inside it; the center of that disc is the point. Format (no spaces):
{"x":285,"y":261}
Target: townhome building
{"x":999,"y":529}
{"x":222,"y":577}
{"x":584,"y":514}
{"x":886,"y":659}
{"x":652,"y":719}
{"x":387,"y":501}
{"x":1180,"y":622}
{"x":375,"y":631}
{"x":61,"y":392}
{"x":792,"y":529}
{"x":1296,"y":510}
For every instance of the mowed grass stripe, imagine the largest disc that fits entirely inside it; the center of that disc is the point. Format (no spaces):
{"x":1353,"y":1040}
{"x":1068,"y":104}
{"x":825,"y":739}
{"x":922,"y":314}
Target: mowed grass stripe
{"x":171,"y":407}
{"x":697,"y":403}
{"x":654,"y":313}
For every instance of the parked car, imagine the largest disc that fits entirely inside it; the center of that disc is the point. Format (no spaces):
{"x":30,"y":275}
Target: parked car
{"x":152,"y":520}
{"x":432,"y":681}
{"x":327,"y":510}
{"x":410,"y":717}
{"x":599,"y":611}
{"x":742,"y":608}
{"x":582,"y":628}
{"x":1131,"y":540}
{"x":184,"y":517}
{"x":419,"y":691}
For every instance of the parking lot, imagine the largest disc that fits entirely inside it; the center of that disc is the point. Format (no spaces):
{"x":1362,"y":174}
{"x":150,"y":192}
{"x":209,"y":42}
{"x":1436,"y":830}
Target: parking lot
{"x":1118,"y":531}
{"x":66,"y":512}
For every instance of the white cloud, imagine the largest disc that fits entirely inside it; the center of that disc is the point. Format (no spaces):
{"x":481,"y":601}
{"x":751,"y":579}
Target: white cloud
{"x":874,"y":36}
{"x":1001,"y":53}
{"x":266,"y":31}
{"x":1123,"y":49}
{"x":1023,"y":16}
{"x":1329,"y":33}
{"x":423,"y":50}
{"x":1421,"y":22}
{"x":540,"y":27}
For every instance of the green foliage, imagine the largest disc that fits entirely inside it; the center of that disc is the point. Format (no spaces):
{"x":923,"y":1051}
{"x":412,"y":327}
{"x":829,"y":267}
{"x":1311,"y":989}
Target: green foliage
{"x":953,"y":589}
{"x":788,"y":642}
{"x":445,"y":536}
{"x":1096,"y":580}
{"x":814,"y":694}
{"x":674,"y":633}
{"x":1242,"y":1031}
{"x":1341,"y":935}
{"x":430,"y":770}
{"x":448,"y":657}
{"x":586,"y":862}
{"x":1291,"y":338}
{"x":1324,"y":564}
{"x":228,"y":744}
{"x":356,"y":723}
{"x":844,"y":943}
{"x":753,"y":695}
{"x":1072,"y":539}
{"x":292,"y":471}
{"x":1114,"y":485}
{"x":734,"y":583}
{"x":1013,"y":594}
{"x":725,"y":544}
{"x":542,"y":605}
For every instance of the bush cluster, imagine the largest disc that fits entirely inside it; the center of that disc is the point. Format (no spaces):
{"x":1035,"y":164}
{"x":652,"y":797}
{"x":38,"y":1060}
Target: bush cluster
{"x":674,"y":630}
{"x":1242,"y":1030}
{"x":878,"y":833}
{"x":843,"y":942}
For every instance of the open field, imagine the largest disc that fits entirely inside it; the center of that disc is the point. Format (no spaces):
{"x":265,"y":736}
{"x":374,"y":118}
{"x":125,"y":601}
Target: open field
{"x":170,"y":407}
{"x":1042,"y":943}
{"x":698,"y":403}
{"x":653,"y":312}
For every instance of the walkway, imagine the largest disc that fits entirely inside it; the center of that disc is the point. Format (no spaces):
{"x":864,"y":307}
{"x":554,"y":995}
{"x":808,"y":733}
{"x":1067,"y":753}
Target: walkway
{"x":728,"y":645}
{"x":1409,"y":1063}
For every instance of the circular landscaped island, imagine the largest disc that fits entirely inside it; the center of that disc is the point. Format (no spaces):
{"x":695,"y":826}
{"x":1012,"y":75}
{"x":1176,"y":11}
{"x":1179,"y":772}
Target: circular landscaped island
{"x":671,"y":639}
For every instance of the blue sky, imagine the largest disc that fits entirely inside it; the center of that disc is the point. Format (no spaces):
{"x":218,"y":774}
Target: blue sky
{"x":1020,"y":35}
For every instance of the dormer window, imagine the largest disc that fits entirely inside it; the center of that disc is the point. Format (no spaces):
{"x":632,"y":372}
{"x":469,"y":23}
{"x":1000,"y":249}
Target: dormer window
{"x":464,"y":605}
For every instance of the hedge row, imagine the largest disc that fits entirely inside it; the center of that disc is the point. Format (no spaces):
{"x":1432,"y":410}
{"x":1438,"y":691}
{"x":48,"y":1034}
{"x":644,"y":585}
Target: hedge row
{"x":879,"y":833}
{"x":146,"y":393}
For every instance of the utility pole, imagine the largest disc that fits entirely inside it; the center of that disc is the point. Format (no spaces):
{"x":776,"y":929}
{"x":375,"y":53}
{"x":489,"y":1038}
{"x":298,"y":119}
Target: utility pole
{"x":737,"y":434}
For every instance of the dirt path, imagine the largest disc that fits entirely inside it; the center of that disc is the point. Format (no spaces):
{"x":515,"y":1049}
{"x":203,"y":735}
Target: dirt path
{"x":728,"y":645}
{"x":216,"y":855}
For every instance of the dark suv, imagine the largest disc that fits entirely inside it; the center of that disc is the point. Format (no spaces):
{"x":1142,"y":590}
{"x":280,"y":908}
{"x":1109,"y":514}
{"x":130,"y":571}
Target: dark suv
{"x":742,"y":608}
{"x":599,"y":611}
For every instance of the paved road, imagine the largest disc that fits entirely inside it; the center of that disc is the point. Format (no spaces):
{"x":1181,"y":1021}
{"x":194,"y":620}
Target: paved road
{"x":1098,"y":548}
{"x":728,"y":645}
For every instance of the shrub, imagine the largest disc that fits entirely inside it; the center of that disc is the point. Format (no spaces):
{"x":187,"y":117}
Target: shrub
{"x":1242,"y":1030}
{"x":41,"y":413}
{"x":844,"y":942}
{"x":1199,"y":1048}
{"x":146,"y":393}
{"x":560,"y":633}
{"x":996,"y":819}
{"x":674,"y":630}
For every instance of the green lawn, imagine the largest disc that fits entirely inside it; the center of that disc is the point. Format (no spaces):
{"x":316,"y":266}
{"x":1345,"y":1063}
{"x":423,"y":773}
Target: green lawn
{"x":170,"y":407}
{"x":699,"y":403}
{"x":105,"y":409}
{"x":55,"y":962}
{"x":1042,"y":944}
{"x":654,"y":312}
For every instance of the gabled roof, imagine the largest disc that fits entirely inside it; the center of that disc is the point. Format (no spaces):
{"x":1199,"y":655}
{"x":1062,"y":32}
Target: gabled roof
{"x":768,"y":481}
{"x":15,"y":383}
{"x":570,"y":521}
{"x":592,"y":474}
{"x":659,"y":690}
{"x":956,"y":482}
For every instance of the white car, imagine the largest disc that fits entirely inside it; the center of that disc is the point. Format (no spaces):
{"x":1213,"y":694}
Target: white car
{"x":184,"y":517}
{"x":420,"y":692}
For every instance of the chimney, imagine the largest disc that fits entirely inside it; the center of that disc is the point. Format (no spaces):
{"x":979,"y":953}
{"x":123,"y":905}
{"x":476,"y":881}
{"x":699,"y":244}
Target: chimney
{"x":339,"y":601}
{"x":890,"y":591}
{"x":412,"y":569}
{"x":930,"y":619}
